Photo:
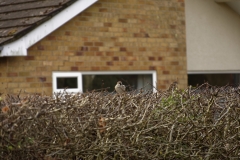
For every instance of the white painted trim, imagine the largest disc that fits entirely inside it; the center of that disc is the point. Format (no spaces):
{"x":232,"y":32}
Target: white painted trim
{"x":20,"y":46}
{"x":80,"y":73}
{"x":117,"y":72}
{"x":214,"y":72}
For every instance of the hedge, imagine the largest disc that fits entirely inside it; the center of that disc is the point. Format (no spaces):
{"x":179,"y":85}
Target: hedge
{"x":195,"y":123}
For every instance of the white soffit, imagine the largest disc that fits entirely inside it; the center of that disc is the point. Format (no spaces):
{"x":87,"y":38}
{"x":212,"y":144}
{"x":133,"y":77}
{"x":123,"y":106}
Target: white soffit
{"x":20,"y":46}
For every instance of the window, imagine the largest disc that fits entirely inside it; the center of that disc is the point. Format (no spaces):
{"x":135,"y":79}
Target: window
{"x":215,"y":79}
{"x":67,"y":80}
{"x":89,"y":81}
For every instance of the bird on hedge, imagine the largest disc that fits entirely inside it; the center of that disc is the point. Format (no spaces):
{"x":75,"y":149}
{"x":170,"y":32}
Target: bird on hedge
{"x":120,"y":88}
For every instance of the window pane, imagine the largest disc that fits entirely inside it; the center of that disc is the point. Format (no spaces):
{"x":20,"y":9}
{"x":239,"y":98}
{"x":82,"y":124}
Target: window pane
{"x":132,"y":82}
{"x":67,"y":82}
{"x":214,"y":79}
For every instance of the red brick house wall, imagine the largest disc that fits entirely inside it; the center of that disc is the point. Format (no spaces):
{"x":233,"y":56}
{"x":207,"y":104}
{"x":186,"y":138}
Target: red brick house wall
{"x":111,"y":35}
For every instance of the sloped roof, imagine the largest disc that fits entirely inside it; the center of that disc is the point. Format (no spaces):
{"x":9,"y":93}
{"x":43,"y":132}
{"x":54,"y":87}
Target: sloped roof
{"x":25,"y":22}
{"x":17,"y":17}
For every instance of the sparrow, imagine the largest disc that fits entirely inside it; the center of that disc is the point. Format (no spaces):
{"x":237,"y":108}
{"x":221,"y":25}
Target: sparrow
{"x":120,"y":88}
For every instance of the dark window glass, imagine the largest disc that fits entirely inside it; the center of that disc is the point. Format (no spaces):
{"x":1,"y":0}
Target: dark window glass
{"x":67,"y":82}
{"x":214,"y":79}
{"x":132,"y":82}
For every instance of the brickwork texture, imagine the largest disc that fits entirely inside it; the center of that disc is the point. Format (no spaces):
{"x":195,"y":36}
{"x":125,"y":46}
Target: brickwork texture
{"x":111,"y":35}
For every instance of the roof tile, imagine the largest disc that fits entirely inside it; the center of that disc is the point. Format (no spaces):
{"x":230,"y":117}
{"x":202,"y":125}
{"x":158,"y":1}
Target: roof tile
{"x":19,"y":17}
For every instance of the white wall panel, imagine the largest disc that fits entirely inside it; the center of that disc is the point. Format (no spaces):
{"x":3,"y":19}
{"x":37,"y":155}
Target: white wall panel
{"x":213,"y":37}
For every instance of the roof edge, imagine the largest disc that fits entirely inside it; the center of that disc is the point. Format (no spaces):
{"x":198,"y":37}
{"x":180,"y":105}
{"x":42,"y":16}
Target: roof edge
{"x":20,"y":46}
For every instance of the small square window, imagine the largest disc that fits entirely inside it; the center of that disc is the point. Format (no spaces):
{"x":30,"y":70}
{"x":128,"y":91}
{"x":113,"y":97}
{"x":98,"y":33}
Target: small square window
{"x":67,"y":82}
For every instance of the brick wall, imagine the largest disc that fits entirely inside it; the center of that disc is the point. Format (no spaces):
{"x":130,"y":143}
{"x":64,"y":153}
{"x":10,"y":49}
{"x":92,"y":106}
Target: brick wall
{"x":111,"y":35}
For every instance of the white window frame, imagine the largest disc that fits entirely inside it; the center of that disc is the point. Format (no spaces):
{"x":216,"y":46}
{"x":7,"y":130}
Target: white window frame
{"x":56,"y":75}
{"x":79,"y":74}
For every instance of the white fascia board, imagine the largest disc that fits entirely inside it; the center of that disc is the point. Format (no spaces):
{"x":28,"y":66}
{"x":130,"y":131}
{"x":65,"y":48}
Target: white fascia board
{"x":20,"y":46}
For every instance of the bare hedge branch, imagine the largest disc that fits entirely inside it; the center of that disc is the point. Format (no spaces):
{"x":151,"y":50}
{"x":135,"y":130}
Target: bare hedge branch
{"x":199,"y":123}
